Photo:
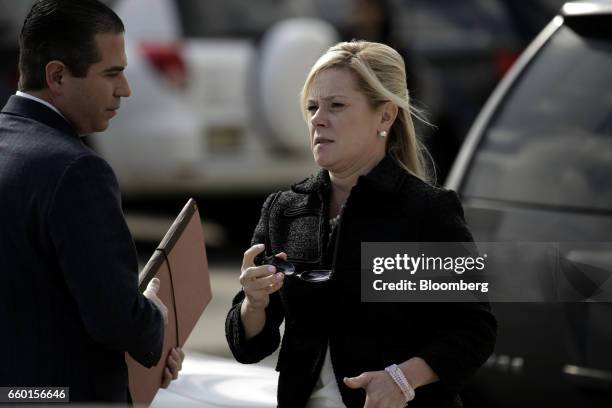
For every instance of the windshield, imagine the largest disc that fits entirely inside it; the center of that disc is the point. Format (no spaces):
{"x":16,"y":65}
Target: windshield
{"x":550,"y":142}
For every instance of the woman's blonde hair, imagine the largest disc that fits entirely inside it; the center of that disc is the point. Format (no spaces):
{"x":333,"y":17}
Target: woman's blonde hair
{"x":381,"y":76}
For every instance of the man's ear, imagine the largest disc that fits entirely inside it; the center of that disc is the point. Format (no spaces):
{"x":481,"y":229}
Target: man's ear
{"x":389,"y":113}
{"x":55,"y":73}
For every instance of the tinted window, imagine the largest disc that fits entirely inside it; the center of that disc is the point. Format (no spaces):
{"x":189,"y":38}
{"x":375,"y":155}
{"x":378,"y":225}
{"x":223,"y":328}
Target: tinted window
{"x":551,"y":140}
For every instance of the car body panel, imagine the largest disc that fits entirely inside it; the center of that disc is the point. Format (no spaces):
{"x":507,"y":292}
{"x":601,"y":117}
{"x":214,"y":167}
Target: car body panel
{"x":214,"y":382}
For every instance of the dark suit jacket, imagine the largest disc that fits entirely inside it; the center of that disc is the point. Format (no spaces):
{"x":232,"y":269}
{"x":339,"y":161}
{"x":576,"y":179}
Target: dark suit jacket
{"x":69,"y":301}
{"x":387,"y":205}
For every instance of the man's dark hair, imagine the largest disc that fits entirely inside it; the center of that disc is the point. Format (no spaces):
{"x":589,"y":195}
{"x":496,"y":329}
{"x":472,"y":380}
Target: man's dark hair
{"x":62,"y":30}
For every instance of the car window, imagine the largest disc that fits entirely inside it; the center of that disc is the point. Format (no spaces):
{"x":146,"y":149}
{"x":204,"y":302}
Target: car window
{"x":550,"y":142}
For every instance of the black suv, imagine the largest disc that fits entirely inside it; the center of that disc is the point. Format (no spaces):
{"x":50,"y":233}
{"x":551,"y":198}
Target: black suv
{"x":537,"y":167}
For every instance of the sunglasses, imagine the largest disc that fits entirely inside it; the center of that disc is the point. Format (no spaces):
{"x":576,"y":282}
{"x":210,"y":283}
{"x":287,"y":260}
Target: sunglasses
{"x":287,"y":268}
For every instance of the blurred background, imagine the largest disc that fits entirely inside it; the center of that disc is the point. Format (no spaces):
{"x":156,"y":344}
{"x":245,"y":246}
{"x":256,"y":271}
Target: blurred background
{"x":214,"y":112}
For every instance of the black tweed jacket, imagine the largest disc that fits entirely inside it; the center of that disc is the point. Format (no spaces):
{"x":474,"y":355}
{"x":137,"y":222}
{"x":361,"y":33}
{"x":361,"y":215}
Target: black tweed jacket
{"x":386,"y":205}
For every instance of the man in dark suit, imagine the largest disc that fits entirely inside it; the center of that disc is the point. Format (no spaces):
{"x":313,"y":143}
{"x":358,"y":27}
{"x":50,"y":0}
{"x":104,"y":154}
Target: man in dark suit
{"x":69,"y":301}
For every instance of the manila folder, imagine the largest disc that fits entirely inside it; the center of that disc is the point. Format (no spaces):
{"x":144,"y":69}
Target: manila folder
{"x":181,"y":265}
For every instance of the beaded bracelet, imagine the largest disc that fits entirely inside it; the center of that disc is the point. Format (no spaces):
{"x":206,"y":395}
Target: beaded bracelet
{"x":398,"y":376}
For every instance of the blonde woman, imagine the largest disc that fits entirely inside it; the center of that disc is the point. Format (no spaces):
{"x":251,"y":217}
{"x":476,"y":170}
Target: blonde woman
{"x":337,"y":351}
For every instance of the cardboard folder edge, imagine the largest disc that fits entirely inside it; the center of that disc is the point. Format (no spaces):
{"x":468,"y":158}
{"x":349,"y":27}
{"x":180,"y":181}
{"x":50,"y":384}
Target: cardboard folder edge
{"x":167,"y":243}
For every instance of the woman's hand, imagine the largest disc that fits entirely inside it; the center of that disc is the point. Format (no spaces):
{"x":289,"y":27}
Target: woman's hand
{"x":381,"y":390}
{"x":258,"y":282}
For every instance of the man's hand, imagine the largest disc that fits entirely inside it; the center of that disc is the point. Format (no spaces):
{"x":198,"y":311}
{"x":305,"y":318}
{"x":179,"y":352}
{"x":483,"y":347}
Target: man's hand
{"x":174,"y":363}
{"x":151,"y":294}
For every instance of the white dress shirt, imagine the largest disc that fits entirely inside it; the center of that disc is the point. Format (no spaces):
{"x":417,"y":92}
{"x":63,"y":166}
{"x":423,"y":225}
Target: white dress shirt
{"x":34,"y":98}
{"x":326,"y":394}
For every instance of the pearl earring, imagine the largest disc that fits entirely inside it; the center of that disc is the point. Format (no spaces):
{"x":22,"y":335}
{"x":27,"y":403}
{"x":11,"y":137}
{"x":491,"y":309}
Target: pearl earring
{"x":383,"y":133}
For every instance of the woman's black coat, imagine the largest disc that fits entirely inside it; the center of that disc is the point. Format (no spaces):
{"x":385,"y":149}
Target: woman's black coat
{"x":387,"y":205}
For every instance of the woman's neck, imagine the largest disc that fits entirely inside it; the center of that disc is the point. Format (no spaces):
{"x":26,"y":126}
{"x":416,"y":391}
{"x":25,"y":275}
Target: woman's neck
{"x":336,"y":200}
{"x":343,"y":181}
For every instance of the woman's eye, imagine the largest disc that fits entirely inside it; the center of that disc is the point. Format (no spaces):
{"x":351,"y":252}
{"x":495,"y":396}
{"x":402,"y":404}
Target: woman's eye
{"x":337,"y":105}
{"x":311,"y":108}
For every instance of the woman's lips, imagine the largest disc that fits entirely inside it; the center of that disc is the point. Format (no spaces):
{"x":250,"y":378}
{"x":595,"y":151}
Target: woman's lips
{"x":322,"y":140}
